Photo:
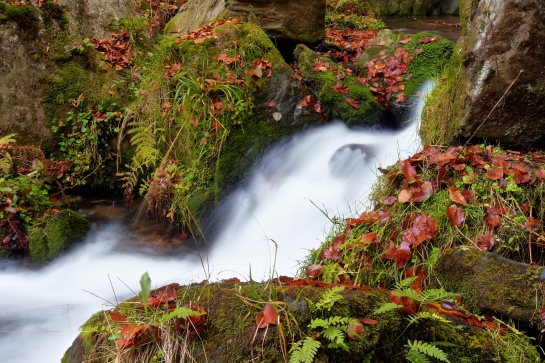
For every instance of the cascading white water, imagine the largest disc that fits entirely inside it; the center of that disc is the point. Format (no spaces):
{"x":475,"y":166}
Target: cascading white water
{"x":330,"y":167}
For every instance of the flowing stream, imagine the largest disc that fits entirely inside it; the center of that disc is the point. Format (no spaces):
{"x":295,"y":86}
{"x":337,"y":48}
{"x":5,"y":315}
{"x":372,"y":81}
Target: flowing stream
{"x":328,"y":169}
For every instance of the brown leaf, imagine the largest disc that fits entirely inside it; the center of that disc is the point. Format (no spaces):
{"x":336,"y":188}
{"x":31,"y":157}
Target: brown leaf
{"x":340,"y":88}
{"x":352,"y":102}
{"x":368,"y":321}
{"x":455,"y":215}
{"x":355,"y":330}
{"x":456,"y":196}
{"x":494,"y":173}
{"x":270,"y":314}
{"x":313,"y":271}
{"x":408,"y":170}
{"x":485,"y":242}
{"x":493,"y":216}
{"x":406,"y":40}
{"x":331,"y":253}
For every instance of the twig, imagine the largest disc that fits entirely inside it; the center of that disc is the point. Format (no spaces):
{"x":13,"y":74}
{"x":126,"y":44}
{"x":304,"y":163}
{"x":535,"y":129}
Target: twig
{"x":489,"y":114}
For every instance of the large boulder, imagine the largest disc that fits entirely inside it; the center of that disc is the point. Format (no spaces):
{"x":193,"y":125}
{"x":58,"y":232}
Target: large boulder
{"x":281,"y":19}
{"x":415,"y":7}
{"x":497,"y":79}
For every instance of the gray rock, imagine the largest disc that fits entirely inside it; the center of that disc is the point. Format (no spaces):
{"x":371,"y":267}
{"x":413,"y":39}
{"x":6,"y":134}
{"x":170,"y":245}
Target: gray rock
{"x":281,"y":19}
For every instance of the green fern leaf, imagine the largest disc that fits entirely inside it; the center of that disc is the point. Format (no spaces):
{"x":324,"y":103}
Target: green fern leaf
{"x":384,"y":308}
{"x":428,"y":349}
{"x":427,"y":315}
{"x":405,"y":283}
{"x":336,"y":337}
{"x":304,"y":351}
{"x":415,"y":356}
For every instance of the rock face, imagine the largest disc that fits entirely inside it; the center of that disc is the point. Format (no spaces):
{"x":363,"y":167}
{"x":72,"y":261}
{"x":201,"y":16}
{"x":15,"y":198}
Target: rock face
{"x":493,"y":284}
{"x":502,"y":39}
{"x":416,"y":7}
{"x":281,"y":19}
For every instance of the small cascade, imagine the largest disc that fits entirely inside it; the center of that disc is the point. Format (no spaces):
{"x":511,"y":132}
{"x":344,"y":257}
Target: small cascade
{"x":265,"y":228}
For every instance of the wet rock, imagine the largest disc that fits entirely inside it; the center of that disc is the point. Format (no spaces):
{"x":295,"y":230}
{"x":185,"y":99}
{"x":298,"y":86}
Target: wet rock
{"x":416,"y":7}
{"x":281,"y":19}
{"x":49,"y":239}
{"x":493,"y":100}
{"x":493,"y":284}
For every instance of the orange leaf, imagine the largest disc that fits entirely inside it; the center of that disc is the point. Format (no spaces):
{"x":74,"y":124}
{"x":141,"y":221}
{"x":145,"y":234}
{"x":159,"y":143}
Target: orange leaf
{"x":456,"y":196}
{"x":406,"y":40}
{"x":355,"y":330}
{"x":404,"y":196}
{"x":352,"y":102}
{"x":271,"y":104}
{"x":270,"y":314}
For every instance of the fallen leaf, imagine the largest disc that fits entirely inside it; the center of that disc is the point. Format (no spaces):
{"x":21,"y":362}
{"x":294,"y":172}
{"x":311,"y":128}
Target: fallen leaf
{"x":355,"y":329}
{"x":455,"y":215}
{"x":456,"y":196}
{"x":313,"y":271}
{"x":404,"y":196}
{"x":352,"y":102}
{"x":485,"y":242}
{"x":408,"y":170}
{"x":494,"y":173}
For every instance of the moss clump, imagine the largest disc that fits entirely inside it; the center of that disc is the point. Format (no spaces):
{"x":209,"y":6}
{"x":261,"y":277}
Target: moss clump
{"x":50,"y":238}
{"x":53,"y":12}
{"x":24,"y":15}
{"x":368,"y":112}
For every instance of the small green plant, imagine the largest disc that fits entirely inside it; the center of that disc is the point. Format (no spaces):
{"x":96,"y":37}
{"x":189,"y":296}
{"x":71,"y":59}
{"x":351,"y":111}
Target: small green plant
{"x":420,"y":351}
{"x":84,"y":139}
{"x":333,"y":329}
{"x":145,"y":285}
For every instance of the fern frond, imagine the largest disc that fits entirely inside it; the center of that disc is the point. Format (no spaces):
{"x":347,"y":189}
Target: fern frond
{"x":427,"y":315}
{"x":405,"y":283}
{"x":5,"y":157}
{"x":414,"y":356}
{"x":328,"y":299}
{"x":8,"y":139}
{"x":440,"y":294}
{"x":336,"y":337}
{"x":428,"y":349}
{"x":304,"y":351}
{"x":384,"y":308}
{"x":407,"y":293}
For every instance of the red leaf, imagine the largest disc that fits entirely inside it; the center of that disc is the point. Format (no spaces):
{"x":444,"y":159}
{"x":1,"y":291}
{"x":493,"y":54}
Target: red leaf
{"x":356,"y":328}
{"x":232,"y":280}
{"x":456,"y":196}
{"x":403,"y":254}
{"x":314,"y":271}
{"x":260,"y":320}
{"x":493,"y":216}
{"x":271,"y":315}
{"x":331,"y":253}
{"x":352,"y":102}
{"x":390,"y":251}
{"x":494,"y":173}
{"x":118,"y":318}
{"x":406,"y":40}
{"x":340,"y":88}
{"x":408,"y":170}
{"x":485,"y":242}
{"x":400,"y":97}
{"x":530,"y":223}
{"x":455,"y":215}
{"x":368,"y":321}
{"x":468,"y":194}
{"x":368,"y":238}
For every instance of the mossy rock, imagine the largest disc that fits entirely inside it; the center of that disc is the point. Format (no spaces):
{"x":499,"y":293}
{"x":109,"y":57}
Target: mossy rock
{"x":230,"y":333}
{"x":368,"y":111}
{"x":426,"y":64}
{"x":493,"y":284}
{"x":49,"y":239}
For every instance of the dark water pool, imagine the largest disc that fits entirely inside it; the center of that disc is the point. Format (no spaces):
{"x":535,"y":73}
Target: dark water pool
{"x":447,"y":27}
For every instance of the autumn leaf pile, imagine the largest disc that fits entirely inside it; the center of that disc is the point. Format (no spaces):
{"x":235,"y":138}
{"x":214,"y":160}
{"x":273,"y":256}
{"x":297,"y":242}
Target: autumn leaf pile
{"x":475,"y":196}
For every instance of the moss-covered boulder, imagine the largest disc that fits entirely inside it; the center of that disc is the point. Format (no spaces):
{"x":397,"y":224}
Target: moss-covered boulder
{"x":227,"y":332}
{"x":493,"y":284}
{"x":281,"y":20}
{"x":356,"y":106}
{"x":415,"y":7}
{"x":49,"y":239}
{"x":496,"y":73}
{"x":428,"y":53}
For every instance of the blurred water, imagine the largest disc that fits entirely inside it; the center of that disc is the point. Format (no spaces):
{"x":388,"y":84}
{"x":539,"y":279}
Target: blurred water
{"x":330,"y":167}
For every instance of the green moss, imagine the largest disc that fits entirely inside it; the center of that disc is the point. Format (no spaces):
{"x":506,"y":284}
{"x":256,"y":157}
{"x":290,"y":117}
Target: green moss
{"x":24,"y":15}
{"x":334,"y":103}
{"x":49,"y":239}
{"x":53,"y":12}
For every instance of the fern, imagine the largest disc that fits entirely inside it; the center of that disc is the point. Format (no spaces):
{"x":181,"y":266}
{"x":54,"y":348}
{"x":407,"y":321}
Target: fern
{"x":335,"y":335}
{"x":405,"y":283}
{"x":440,"y":294}
{"x":304,"y":351}
{"x":414,"y":319}
{"x":332,"y":320}
{"x":418,"y":351}
{"x":328,"y":299}
{"x":5,"y":157}
{"x":384,"y":308}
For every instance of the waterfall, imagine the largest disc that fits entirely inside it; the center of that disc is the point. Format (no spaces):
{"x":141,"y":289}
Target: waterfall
{"x":328,"y":169}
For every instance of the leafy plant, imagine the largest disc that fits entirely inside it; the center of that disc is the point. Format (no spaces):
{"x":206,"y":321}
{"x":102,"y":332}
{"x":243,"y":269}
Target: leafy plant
{"x":145,"y":285}
{"x":420,"y":351}
{"x":333,"y":328}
